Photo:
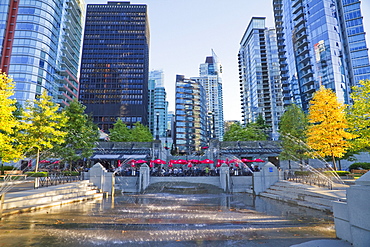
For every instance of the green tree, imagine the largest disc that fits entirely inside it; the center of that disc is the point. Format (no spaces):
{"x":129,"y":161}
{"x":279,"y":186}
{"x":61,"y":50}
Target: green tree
{"x":359,"y":116}
{"x":252,"y":132}
{"x":9,"y":145}
{"x":292,"y":129}
{"x":120,"y":132}
{"x":42,"y":126}
{"x":141,"y":133}
{"x":82,"y":134}
{"x":327,"y":133}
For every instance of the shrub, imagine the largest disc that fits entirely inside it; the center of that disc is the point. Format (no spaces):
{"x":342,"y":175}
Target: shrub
{"x":357,"y":165}
{"x":302,"y":173}
{"x":37,"y":174}
{"x":339,"y":173}
{"x":70,"y":173}
{"x":8,"y":168}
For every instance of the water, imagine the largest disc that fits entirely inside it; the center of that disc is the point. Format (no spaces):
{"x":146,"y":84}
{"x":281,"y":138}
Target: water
{"x":169,"y":218}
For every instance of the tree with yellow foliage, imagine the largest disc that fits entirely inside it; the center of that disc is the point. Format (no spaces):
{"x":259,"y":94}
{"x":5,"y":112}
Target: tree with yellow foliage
{"x":43,"y":125}
{"x":9,"y":150}
{"x":327,"y":131}
{"x":359,"y":116}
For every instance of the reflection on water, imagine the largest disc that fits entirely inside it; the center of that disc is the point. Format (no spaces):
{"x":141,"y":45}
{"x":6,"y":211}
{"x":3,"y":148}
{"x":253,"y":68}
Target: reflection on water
{"x":168,"y":218}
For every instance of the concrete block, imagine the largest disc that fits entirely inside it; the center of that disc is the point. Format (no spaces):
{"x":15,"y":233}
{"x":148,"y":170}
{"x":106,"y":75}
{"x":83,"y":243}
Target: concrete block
{"x":343,"y":229}
{"x":358,"y":200}
{"x":360,"y":237}
{"x":340,"y":210}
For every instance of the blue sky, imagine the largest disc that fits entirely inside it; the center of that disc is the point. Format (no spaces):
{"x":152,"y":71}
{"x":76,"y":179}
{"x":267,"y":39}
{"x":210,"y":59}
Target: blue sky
{"x":183,"y":32}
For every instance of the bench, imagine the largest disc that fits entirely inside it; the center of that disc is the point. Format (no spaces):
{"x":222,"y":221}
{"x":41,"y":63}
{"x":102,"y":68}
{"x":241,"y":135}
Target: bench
{"x":359,"y":171}
{"x":13,"y":173}
{"x":356,"y":173}
{"x":351,"y":175}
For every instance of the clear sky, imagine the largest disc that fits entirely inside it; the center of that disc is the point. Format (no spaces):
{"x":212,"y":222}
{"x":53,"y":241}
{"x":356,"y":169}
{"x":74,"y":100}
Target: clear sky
{"x":183,"y":32}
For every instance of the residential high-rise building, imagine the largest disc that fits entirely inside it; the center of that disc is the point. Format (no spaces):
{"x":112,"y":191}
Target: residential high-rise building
{"x":259,"y":76}
{"x":190,"y":116}
{"x":210,"y":77}
{"x":115,"y":62}
{"x":158,"y":105}
{"x":320,"y":42}
{"x":40,"y":45}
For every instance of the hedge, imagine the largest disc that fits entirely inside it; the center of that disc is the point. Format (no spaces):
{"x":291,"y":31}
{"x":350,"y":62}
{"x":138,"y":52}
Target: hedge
{"x":339,"y":173}
{"x":357,"y":165}
{"x":70,"y":173}
{"x":37,"y":174}
{"x":302,"y":173}
{"x":8,"y":168}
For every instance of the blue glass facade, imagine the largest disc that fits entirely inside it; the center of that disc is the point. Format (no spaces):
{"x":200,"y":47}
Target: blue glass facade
{"x":320,"y":42}
{"x":259,"y":75}
{"x":210,"y":77}
{"x":354,"y":35}
{"x":115,"y":61}
{"x":190,"y":116}
{"x":44,"y":53}
{"x":158,"y":105}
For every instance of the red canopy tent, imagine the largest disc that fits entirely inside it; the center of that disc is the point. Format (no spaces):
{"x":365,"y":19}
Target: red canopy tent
{"x":180,"y":161}
{"x":234,"y":161}
{"x":193,"y":161}
{"x":140,"y":161}
{"x":158,"y":161}
{"x":246,"y":160}
{"x":207,"y":161}
{"x":258,"y":160}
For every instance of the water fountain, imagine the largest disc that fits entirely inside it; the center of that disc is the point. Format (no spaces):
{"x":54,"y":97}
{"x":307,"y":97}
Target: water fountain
{"x":169,"y":218}
{"x":331,"y":177}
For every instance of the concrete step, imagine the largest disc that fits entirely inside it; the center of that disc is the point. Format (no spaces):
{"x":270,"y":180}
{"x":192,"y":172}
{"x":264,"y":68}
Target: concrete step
{"x":45,"y":192}
{"x":299,"y":203}
{"x":17,"y":210}
{"x":301,"y":196}
{"x":50,"y":195}
{"x":304,"y":195}
{"x":64,"y":195}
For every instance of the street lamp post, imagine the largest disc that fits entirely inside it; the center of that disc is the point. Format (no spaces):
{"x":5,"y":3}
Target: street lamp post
{"x":157,"y":129}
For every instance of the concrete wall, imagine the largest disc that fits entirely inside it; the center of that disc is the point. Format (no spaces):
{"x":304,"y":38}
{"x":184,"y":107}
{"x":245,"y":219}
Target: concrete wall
{"x":240,"y":184}
{"x":101,"y":178}
{"x":352,"y":218}
{"x":267,"y":176}
{"x":127,"y":184}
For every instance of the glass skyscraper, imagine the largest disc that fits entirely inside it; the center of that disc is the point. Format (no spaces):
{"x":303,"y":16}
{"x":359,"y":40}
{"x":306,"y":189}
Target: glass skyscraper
{"x":259,"y":76}
{"x":190,"y":116}
{"x":210,"y":77}
{"x":40,"y":47}
{"x":115,"y":61}
{"x":158,"y":105}
{"x":320,"y":42}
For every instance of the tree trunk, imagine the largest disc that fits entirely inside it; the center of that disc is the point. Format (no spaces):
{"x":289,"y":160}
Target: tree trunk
{"x":37,"y":160}
{"x":334,"y":164}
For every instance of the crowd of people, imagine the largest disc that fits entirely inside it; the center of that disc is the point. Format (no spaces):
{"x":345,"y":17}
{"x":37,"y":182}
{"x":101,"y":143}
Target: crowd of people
{"x":181,"y":171}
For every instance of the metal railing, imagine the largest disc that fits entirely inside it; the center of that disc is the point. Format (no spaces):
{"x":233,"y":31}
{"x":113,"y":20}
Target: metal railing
{"x":311,"y":179}
{"x":56,"y":179}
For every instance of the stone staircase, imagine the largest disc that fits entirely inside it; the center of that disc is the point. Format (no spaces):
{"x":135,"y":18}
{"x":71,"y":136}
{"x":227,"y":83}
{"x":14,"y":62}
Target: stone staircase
{"x":305,"y":195}
{"x":30,"y":200}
